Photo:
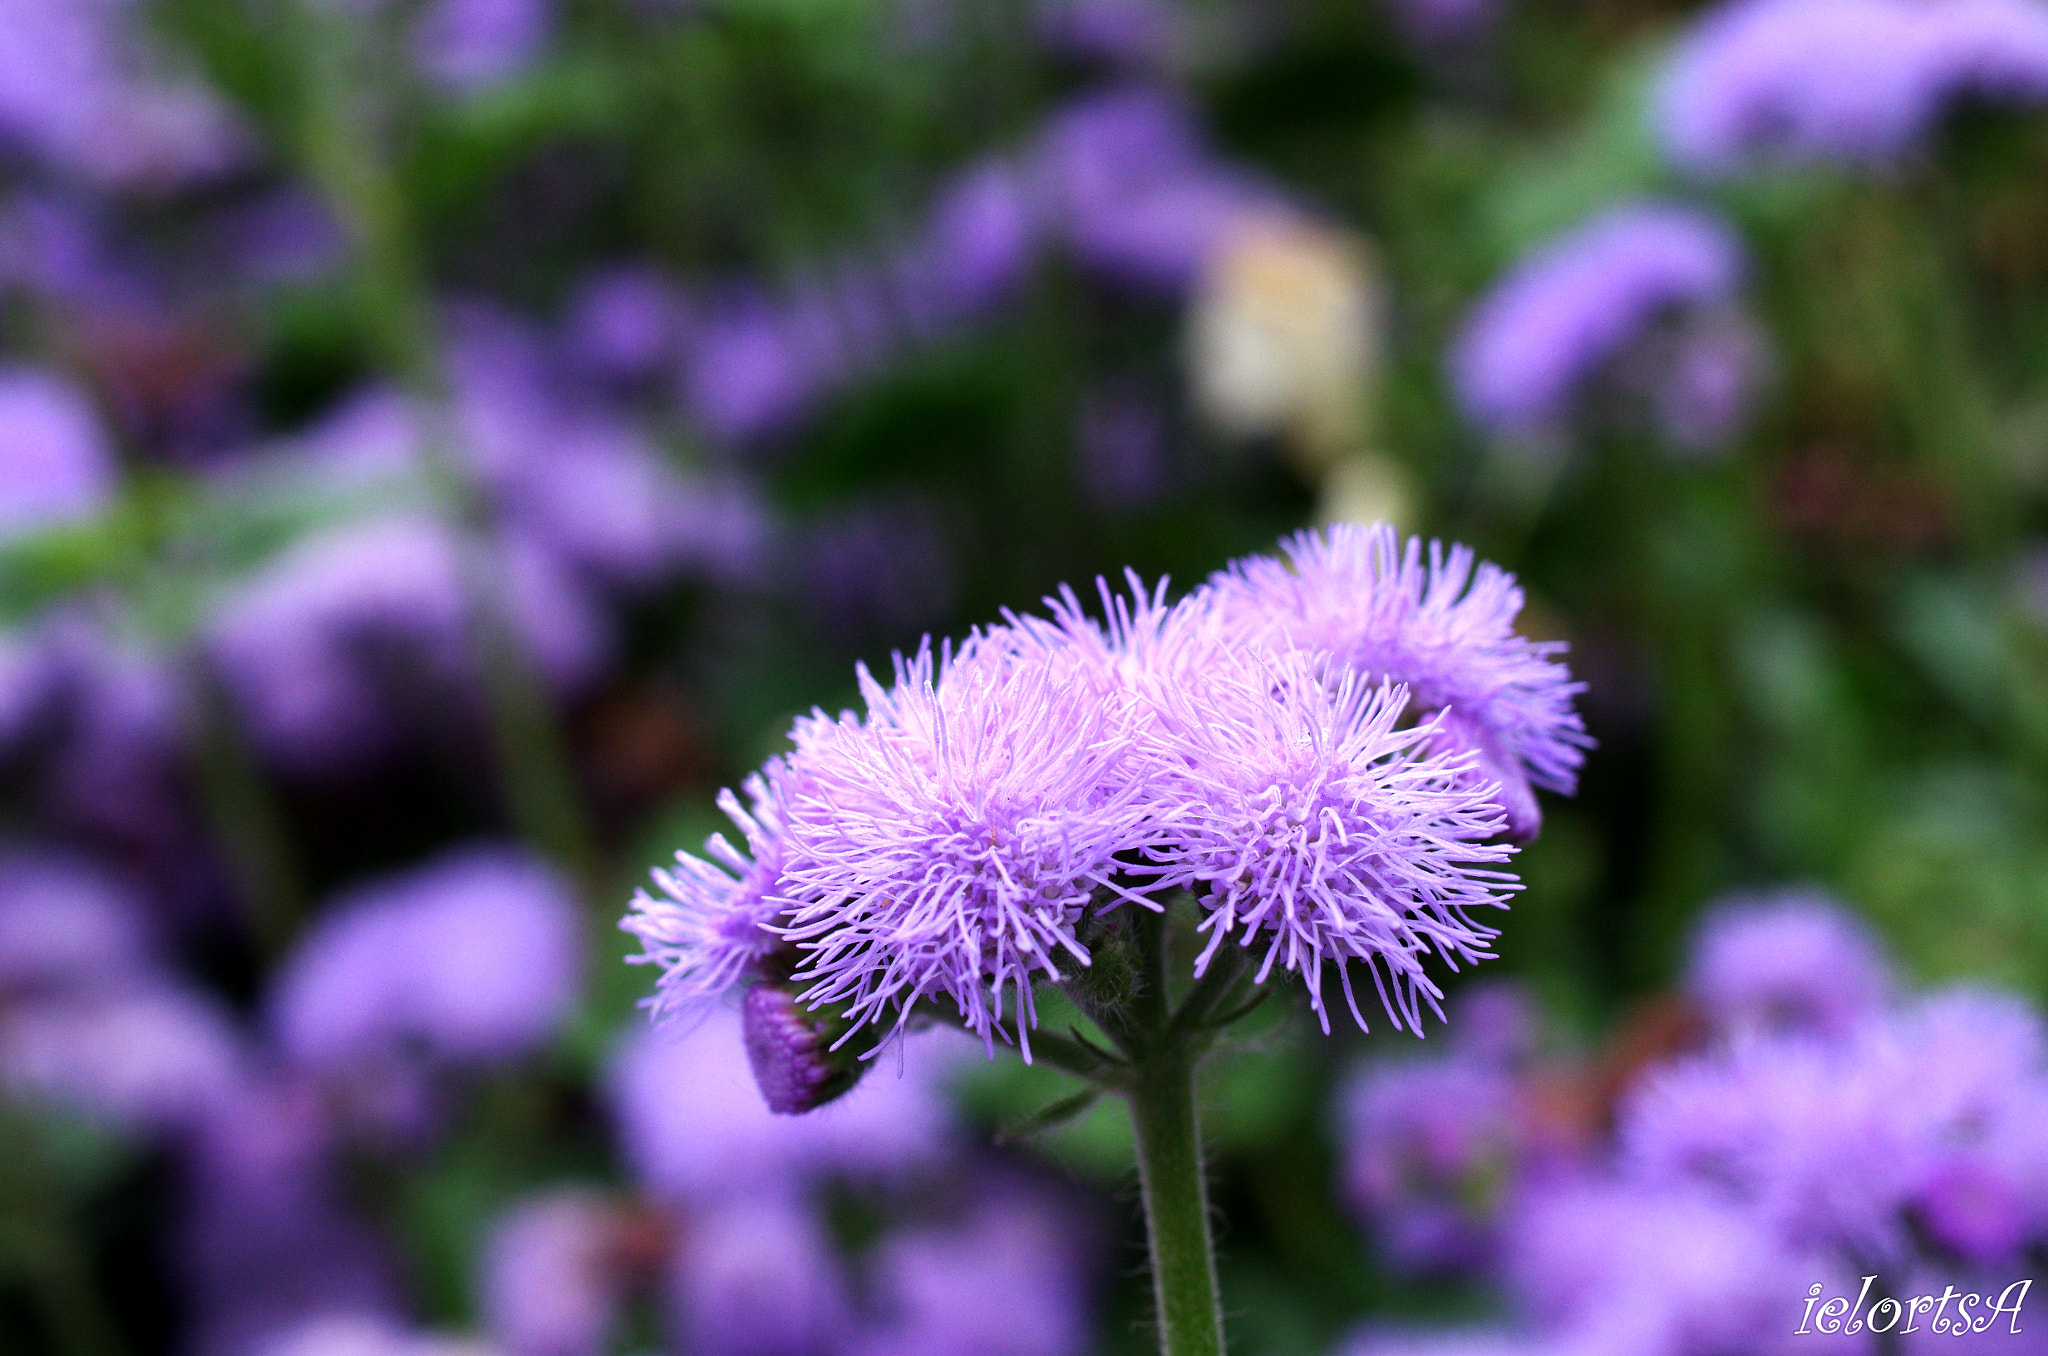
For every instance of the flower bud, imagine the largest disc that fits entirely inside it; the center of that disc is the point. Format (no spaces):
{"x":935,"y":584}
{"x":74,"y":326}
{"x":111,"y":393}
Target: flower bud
{"x":790,"y":1050}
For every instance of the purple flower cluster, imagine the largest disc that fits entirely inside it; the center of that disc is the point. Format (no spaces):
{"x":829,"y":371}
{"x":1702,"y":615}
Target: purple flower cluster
{"x":1246,"y":745}
{"x":1828,"y":1131}
{"x":1121,"y":180}
{"x":1857,"y":82}
{"x":726,"y":1229}
{"x":1437,"y":1152}
{"x":1580,"y":305}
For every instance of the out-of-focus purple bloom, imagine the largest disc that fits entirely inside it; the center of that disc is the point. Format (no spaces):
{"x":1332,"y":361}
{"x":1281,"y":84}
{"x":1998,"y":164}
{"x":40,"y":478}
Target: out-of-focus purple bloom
{"x":1134,"y":192}
{"x":1438,"y":26}
{"x":67,"y":927}
{"x":150,"y":1061}
{"x":974,"y":250}
{"x":80,"y":88}
{"x":1860,"y":82}
{"x":1706,"y":382}
{"x":1619,"y":1271}
{"x":473,"y":958}
{"x":755,"y":1276}
{"x":757,"y":363}
{"x":1306,"y":823}
{"x":623,"y":324}
{"x":1497,"y":1022}
{"x":1009,"y":1280}
{"x":262,"y":1242}
{"x":320,"y":647}
{"x":1478,"y":1342}
{"x":1120,"y":437}
{"x":1432,"y":1151}
{"x":1443,"y":627}
{"x":883,"y":564}
{"x":550,"y":1279}
{"x":1821,"y":1143}
{"x":1796,"y":961}
{"x":365,"y":1334}
{"x":470,"y":44}
{"x":117,"y":731}
{"x":692,"y":1125}
{"x":1135,"y":33}
{"x":55,"y":462}
{"x":1575,"y":304}
{"x":709,"y":924}
{"x":351,"y":629}
{"x":283,"y":237}
{"x":948,"y":845}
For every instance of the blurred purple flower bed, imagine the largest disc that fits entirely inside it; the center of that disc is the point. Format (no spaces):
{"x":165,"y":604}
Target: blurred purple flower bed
{"x":443,"y":444}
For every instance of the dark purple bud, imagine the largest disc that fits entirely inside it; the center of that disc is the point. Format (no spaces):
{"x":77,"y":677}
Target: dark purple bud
{"x":790,"y":1049}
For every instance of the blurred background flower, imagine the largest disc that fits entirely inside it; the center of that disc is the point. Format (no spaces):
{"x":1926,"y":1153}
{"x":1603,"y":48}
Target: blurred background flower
{"x":443,"y":443}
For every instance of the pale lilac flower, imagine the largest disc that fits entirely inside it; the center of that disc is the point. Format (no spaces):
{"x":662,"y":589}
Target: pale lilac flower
{"x":692,"y":1126}
{"x":83,"y":89}
{"x":1135,"y":193}
{"x":473,"y":958}
{"x":1860,"y":82}
{"x":262,"y":1242}
{"x":948,"y":845}
{"x":1442,"y":626}
{"x":709,"y":925}
{"x":624,"y":323}
{"x":1819,"y":1141}
{"x":119,"y":724}
{"x":1008,"y":1280}
{"x":1794,"y":961}
{"x":363,"y":1334}
{"x":56,"y":463}
{"x":330,"y":647}
{"x":1135,"y":33}
{"x":550,"y":1278}
{"x":149,"y":1061}
{"x":1620,"y":1271}
{"x":1379,"y":1341}
{"x":468,"y":45}
{"x":324,"y":644}
{"x":1432,"y":1151}
{"x":1573,"y":306}
{"x":1307,"y":823}
{"x":974,"y":249}
{"x":755,"y":1276}
{"x":67,"y":927}
{"x":1706,"y":380}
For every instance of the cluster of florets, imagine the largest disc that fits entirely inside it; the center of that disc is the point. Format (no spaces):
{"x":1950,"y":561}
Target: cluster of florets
{"x":1327,"y":755}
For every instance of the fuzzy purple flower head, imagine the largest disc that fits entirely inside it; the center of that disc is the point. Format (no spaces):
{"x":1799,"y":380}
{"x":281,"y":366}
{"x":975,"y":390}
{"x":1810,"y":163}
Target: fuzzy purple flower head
{"x":1305,"y":820}
{"x":1252,"y":746}
{"x":950,"y":843}
{"x":1443,"y":626}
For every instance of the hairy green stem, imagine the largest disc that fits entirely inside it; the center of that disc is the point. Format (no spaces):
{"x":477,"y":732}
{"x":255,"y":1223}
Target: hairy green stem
{"x":1169,"y":1138}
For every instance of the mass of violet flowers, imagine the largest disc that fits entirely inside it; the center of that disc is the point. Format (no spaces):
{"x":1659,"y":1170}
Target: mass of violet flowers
{"x":1325,"y":753}
{"x":1805,"y":1123}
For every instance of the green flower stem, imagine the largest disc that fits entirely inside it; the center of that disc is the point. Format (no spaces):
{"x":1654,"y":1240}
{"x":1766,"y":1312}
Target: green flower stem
{"x":1127,"y":993}
{"x":1169,"y":1138}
